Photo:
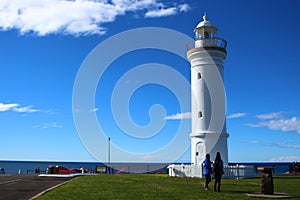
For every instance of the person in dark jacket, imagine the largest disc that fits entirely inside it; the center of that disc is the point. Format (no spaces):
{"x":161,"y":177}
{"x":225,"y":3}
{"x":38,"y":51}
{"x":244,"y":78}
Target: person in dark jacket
{"x":218,"y":170}
{"x":207,"y":170}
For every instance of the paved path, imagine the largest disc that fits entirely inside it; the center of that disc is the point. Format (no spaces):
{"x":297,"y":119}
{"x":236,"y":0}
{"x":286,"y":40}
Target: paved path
{"x":24,"y":186}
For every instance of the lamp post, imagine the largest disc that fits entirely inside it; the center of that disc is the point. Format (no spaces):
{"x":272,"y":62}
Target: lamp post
{"x":108,"y":140}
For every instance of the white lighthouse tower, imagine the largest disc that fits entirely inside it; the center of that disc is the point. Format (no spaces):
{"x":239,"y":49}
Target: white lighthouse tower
{"x":208,"y":97}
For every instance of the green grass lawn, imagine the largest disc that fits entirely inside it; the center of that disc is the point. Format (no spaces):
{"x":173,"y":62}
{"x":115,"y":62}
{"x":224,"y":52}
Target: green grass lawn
{"x":153,"y":186}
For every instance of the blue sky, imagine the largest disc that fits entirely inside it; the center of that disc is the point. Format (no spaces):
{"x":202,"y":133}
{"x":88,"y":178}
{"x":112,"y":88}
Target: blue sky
{"x":44,"y":44}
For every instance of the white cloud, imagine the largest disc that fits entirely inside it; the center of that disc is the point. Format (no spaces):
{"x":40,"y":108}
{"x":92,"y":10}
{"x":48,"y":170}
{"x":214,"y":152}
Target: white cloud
{"x":184,"y":7}
{"x":253,"y":142}
{"x":274,"y":115}
{"x":76,"y":110}
{"x":27,"y":109}
{"x":50,"y":111}
{"x":286,"y":145}
{"x":54,"y":125}
{"x":133,"y":5}
{"x":147,"y":157}
{"x":75,"y":17}
{"x":48,"y":125}
{"x":285,"y":159}
{"x":94,"y":110}
{"x":16,"y":108}
{"x":161,"y":12}
{"x":6,"y":107}
{"x":236,"y":115}
{"x":281,"y":124}
{"x":276,"y":144}
{"x":186,"y":115}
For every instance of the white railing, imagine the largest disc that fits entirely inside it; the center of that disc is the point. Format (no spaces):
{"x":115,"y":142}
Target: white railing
{"x":207,"y":42}
{"x":185,"y":170}
{"x":237,"y":171}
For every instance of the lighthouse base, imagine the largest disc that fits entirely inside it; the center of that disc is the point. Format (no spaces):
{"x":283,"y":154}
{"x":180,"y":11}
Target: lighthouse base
{"x":208,"y":143}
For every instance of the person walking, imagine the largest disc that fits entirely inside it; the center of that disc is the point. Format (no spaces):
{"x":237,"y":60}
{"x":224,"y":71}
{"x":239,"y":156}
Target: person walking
{"x":218,"y":170}
{"x":207,"y":170}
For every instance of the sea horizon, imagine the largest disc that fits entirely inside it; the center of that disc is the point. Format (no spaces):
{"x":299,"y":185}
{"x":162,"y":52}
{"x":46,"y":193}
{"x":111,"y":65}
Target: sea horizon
{"x":29,"y":166}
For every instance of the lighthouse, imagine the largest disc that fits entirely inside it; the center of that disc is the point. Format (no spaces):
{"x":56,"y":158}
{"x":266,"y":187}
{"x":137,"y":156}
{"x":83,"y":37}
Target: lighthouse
{"x":207,"y":57}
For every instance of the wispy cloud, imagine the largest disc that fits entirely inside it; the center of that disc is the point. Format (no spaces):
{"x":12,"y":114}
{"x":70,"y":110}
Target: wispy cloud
{"x":285,"y":159}
{"x":163,"y":12}
{"x":17,"y":108}
{"x":292,"y":124}
{"x":77,"y":16}
{"x":26,"y":109}
{"x":274,"y":115}
{"x":277,"y":121}
{"x":179,"y":116}
{"x":48,"y":125}
{"x":94,"y":109}
{"x":253,"y":142}
{"x":284,"y":145}
{"x":51,"y":112}
{"x":147,"y":157}
{"x":184,"y":7}
{"x":6,"y":107}
{"x":236,"y":115}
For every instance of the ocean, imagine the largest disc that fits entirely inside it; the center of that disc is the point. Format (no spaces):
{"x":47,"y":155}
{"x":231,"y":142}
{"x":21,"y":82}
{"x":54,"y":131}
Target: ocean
{"x":279,"y":167}
{"x":29,"y":167}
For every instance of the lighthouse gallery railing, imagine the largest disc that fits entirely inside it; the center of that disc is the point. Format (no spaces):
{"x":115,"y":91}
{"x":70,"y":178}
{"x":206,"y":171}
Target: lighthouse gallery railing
{"x":207,"y":42}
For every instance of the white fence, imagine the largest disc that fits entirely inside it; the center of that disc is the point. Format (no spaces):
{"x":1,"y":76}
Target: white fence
{"x":237,"y":171}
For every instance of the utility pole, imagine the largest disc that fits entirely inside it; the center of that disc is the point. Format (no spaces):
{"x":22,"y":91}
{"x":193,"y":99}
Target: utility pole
{"x":108,"y":140}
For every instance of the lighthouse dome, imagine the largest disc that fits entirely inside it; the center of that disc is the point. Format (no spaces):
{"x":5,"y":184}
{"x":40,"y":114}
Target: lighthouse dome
{"x":205,"y":23}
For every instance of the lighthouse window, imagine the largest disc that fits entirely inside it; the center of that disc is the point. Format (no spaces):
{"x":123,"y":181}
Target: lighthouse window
{"x":206,"y":35}
{"x":199,"y":114}
{"x":199,"y":75}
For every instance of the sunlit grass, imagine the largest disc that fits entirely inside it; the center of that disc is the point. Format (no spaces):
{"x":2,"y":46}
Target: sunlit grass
{"x":152,"y":186}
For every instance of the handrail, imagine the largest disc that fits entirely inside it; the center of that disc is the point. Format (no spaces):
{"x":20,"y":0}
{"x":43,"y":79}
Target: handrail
{"x":208,"y":42}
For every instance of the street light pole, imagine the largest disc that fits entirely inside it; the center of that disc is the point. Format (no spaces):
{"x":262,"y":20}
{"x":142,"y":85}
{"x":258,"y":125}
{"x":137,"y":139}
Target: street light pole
{"x":108,"y":139}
